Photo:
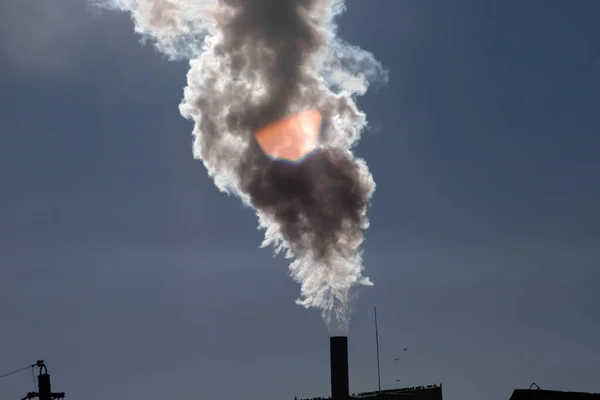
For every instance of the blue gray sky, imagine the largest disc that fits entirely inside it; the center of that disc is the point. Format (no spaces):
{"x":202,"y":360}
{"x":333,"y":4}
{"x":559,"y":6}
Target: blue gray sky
{"x":133,"y":277}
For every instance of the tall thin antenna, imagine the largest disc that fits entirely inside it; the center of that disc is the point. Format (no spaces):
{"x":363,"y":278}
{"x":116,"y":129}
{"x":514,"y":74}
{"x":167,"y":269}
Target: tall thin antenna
{"x":377,"y":344}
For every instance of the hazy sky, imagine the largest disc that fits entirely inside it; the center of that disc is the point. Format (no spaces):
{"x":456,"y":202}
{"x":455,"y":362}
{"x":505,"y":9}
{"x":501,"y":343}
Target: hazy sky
{"x":133,"y":277}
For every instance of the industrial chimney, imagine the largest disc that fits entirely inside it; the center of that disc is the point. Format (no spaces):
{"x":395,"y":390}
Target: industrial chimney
{"x":338,"y":347}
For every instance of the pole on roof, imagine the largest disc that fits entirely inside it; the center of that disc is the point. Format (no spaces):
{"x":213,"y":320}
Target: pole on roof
{"x":377,"y":346}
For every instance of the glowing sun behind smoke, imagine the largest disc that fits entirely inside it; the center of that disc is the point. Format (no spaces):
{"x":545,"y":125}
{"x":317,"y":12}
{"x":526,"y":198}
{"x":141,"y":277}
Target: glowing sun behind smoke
{"x":291,"y":138}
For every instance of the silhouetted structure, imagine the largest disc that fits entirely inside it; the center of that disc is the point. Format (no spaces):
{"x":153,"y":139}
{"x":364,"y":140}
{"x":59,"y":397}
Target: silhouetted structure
{"x":340,"y":387}
{"x":44,"y":389}
{"x":540,"y":394}
{"x":338,"y":349}
{"x":430,"y":392}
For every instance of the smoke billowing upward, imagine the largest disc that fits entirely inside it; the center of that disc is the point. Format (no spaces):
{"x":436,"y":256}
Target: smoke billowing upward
{"x":253,"y":62}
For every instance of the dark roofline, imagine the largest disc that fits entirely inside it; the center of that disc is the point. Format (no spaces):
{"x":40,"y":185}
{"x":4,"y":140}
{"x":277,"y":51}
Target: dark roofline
{"x":401,"y":390}
{"x":373,"y":393}
{"x":519,"y":393}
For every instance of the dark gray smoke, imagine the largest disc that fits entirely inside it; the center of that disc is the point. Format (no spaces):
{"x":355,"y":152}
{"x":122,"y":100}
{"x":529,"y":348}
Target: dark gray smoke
{"x":254,"y":62}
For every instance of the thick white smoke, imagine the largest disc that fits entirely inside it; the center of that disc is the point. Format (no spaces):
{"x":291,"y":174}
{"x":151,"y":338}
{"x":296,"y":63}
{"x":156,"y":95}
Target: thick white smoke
{"x":252,"y":62}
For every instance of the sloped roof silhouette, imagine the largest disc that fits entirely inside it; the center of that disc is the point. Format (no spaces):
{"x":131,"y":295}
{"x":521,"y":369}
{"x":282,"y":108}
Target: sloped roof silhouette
{"x":538,"y":394}
{"x":430,"y":392}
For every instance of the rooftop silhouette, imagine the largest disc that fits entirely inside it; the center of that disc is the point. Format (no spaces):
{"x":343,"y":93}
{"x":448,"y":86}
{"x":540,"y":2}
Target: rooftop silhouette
{"x":340,"y":387}
{"x":539,"y":394}
{"x":429,"y":392}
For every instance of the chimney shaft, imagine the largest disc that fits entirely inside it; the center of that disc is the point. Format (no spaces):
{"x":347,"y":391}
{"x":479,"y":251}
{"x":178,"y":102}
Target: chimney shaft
{"x":338,"y":347}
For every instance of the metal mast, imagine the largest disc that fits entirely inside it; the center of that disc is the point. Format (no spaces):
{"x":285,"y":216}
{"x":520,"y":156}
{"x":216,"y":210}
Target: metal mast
{"x":377,"y":344}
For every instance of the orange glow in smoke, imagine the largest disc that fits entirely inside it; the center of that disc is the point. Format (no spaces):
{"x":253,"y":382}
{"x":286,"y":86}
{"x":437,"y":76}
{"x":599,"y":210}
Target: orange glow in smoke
{"x":291,"y":138}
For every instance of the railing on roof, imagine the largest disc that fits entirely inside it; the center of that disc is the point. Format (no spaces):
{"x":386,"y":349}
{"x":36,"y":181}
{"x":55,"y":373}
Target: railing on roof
{"x":407,"y":389}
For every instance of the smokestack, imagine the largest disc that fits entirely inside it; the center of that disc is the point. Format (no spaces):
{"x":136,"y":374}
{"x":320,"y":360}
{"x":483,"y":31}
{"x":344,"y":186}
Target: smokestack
{"x":338,"y":347}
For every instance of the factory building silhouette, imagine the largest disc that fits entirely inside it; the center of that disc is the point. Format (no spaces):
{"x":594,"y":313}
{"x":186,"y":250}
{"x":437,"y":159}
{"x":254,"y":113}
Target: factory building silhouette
{"x":541,"y":394}
{"x":340,"y":384}
{"x":529,"y":394}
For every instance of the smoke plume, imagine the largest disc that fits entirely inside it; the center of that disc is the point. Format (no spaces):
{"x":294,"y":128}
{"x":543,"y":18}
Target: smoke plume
{"x":253,"y":62}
